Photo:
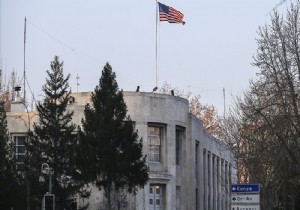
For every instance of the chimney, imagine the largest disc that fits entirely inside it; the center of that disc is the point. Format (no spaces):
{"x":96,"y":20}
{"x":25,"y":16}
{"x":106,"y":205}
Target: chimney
{"x":17,"y":94}
{"x":17,"y":105}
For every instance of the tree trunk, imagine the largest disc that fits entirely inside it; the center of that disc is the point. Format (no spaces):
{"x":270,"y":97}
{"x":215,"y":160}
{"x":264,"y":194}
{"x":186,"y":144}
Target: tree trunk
{"x":27,"y":193}
{"x":109,"y":198}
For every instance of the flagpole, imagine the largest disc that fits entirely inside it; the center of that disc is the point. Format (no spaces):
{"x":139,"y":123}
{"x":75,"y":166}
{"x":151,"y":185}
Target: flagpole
{"x":24,"y":74}
{"x":156,"y":48}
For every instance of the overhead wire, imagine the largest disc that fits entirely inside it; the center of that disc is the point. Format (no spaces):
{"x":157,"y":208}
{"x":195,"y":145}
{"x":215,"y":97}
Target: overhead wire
{"x":60,"y":42}
{"x":51,"y":36}
{"x":73,"y":49}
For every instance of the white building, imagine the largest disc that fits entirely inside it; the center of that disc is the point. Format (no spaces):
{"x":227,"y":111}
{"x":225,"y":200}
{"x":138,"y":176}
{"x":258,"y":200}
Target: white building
{"x":189,"y":169}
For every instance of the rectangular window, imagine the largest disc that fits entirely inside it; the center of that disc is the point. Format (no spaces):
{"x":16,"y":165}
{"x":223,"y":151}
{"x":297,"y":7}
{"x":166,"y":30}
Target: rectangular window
{"x":209,"y":179}
{"x":178,"y":197}
{"x":204,"y":169}
{"x":154,"y":143}
{"x":196,"y":160}
{"x":20,"y":151}
{"x":179,"y":139}
{"x":197,"y":200}
{"x":218,"y":183}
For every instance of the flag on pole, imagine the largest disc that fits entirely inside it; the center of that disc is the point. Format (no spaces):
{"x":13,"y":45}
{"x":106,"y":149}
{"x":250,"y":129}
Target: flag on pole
{"x":169,"y":14}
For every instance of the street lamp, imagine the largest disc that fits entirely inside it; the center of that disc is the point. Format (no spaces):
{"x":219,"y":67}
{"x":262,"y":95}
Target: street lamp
{"x":49,"y":198}
{"x":46,"y":170}
{"x":41,"y":179}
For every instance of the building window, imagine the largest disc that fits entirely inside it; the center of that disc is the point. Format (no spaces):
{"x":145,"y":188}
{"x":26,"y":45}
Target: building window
{"x":155,"y":134}
{"x":179,"y":140}
{"x":196,"y":160}
{"x":209,"y":180}
{"x":20,"y":152}
{"x":204,"y":169}
{"x":197,"y":200}
{"x":178,"y":197}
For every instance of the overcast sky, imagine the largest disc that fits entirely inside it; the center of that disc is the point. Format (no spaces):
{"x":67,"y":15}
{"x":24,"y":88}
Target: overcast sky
{"x":212,"y":51}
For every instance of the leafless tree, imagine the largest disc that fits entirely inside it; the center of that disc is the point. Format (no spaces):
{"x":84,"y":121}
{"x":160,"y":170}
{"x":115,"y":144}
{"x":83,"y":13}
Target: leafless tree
{"x":267,"y":122}
{"x":119,"y":200}
{"x":206,"y":113}
{"x":7,"y":93}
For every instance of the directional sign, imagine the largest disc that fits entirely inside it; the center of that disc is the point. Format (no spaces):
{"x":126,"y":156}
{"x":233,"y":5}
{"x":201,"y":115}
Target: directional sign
{"x":244,"y":207}
{"x":245,"y":188}
{"x":245,"y":199}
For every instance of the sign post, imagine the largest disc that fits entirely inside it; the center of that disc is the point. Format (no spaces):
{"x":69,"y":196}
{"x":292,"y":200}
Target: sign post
{"x":245,"y":196}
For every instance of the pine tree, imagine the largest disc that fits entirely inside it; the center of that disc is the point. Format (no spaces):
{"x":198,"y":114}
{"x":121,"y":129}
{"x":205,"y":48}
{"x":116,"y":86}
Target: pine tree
{"x":3,"y":151}
{"x":4,"y":155}
{"x":53,"y":139}
{"x":109,"y":142}
{"x":12,"y":194}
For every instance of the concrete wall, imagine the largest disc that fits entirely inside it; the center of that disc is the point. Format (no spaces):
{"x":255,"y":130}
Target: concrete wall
{"x":145,"y":108}
{"x":202,"y":176}
{"x":20,"y":122}
{"x":190,"y":175}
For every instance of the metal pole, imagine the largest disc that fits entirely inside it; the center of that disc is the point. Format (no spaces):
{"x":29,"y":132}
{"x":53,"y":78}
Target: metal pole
{"x":24,"y":73}
{"x":50,"y":181}
{"x":156,"y":47}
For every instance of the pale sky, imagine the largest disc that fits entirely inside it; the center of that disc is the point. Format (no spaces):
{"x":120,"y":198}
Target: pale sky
{"x":212,"y":51}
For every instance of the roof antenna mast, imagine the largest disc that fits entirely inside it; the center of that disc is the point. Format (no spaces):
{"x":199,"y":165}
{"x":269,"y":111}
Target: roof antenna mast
{"x":24,"y":73}
{"x":77,"y":81}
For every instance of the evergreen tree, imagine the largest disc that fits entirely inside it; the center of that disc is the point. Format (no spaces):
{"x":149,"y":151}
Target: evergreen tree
{"x":109,"y":142}
{"x":53,"y":139}
{"x":3,"y":152}
{"x":12,"y":194}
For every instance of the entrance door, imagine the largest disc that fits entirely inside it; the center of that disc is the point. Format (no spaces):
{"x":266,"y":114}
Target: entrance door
{"x":155,"y":197}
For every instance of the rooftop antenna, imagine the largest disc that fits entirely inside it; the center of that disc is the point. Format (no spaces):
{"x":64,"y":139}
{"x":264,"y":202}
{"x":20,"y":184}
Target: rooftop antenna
{"x":224,"y":103}
{"x":77,"y":83}
{"x":24,"y":73}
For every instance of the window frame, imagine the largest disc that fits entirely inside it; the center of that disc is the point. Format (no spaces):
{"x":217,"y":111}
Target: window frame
{"x":179,"y":139}
{"x":155,"y":149}
{"x":19,"y":150}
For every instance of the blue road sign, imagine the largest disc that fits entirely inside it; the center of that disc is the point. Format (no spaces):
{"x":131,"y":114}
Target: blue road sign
{"x":245,"y":188}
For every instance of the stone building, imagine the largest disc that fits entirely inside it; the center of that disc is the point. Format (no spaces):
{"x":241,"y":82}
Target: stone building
{"x":189,"y":169}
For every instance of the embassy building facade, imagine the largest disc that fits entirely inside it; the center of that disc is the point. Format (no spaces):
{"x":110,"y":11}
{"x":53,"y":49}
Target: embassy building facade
{"x":188,"y":168}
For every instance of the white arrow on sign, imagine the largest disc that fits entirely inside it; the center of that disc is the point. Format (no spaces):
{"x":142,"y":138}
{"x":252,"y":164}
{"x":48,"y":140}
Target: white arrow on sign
{"x":247,"y":199}
{"x":244,"y":207}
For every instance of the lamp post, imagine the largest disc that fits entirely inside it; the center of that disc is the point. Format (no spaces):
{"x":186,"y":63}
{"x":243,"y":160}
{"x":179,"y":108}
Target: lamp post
{"x":45,"y":169}
{"x":49,"y":198}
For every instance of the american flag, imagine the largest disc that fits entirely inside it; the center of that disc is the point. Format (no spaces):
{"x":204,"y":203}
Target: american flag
{"x":169,"y":14}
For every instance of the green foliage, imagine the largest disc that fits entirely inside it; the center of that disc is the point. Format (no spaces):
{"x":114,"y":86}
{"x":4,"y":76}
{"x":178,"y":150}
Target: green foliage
{"x":12,"y":192}
{"x":108,"y":141}
{"x":53,"y":140}
{"x":3,"y":140}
